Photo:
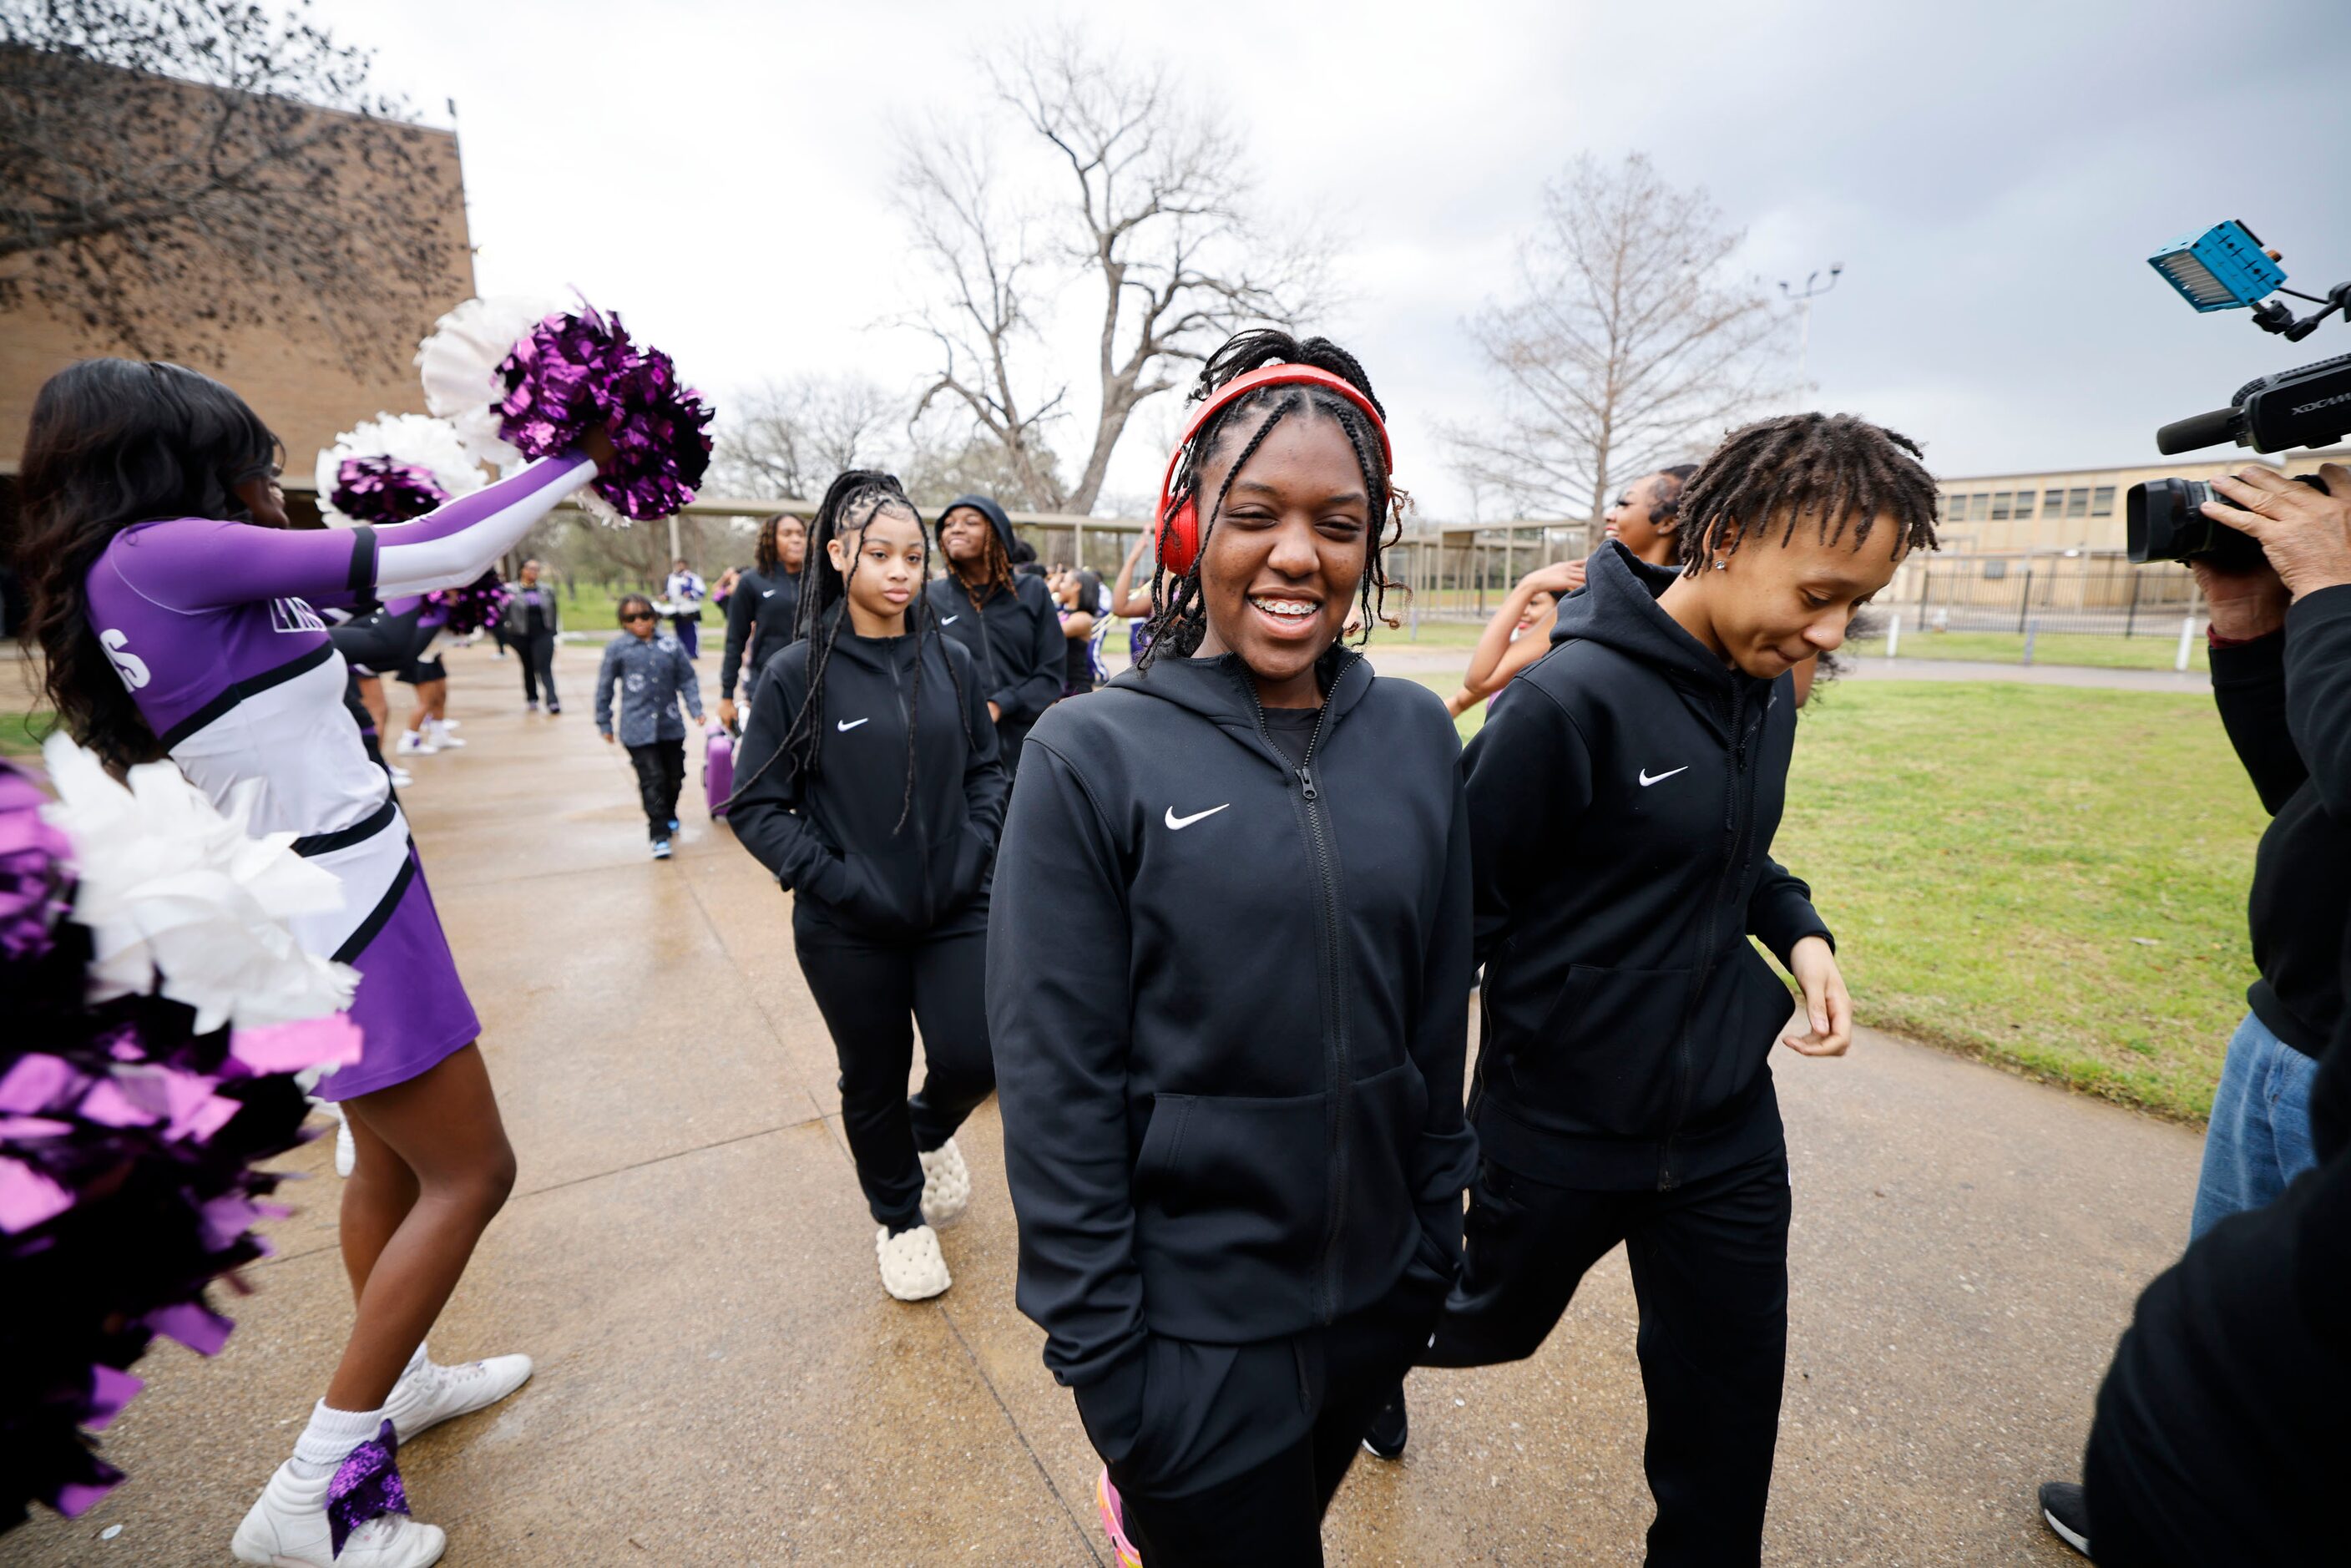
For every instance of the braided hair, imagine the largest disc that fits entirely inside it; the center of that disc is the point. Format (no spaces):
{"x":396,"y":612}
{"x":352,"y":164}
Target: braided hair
{"x":1180,"y":618}
{"x":1837,"y":466}
{"x":853,"y":500}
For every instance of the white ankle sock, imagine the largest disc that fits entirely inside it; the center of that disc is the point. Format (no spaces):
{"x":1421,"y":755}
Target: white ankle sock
{"x":330,"y":1439}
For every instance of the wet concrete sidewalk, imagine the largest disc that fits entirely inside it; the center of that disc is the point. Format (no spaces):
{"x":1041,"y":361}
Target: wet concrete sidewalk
{"x":721,"y":1379}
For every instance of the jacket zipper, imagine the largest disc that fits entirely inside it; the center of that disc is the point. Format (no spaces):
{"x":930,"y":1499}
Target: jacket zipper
{"x":915,"y":821}
{"x":1668,"y":1179}
{"x":1338,"y":1063}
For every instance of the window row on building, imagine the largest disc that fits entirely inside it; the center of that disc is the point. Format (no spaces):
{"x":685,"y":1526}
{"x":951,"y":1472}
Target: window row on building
{"x":2000,"y":505}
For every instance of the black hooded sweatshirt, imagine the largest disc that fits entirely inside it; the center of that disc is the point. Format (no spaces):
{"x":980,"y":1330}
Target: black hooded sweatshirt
{"x":2297,"y":910}
{"x":1015,"y":638}
{"x":835,"y":840}
{"x":1228,"y":998}
{"x":762,"y":617}
{"x":1622,"y":804}
{"x":2220,"y":1426}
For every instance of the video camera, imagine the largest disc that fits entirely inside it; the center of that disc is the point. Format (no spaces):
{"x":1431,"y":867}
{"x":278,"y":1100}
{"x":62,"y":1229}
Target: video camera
{"x":2226,"y":267}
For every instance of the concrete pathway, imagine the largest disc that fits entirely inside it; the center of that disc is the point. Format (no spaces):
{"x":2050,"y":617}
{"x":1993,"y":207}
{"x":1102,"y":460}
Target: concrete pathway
{"x":721,"y":1379}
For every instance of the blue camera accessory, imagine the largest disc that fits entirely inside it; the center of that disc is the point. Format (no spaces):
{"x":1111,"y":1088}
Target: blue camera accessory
{"x":2223,"y":268}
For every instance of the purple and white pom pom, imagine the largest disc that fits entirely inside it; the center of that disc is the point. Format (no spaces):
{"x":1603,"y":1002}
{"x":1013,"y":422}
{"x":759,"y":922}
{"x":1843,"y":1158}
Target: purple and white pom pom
{"x":459,"y":363}
{"x":577,"y":371}
{"x":476,"y":607}
{"x":128,"y":1142}
{"x":393,"y":468}
{"x":383,"y":490}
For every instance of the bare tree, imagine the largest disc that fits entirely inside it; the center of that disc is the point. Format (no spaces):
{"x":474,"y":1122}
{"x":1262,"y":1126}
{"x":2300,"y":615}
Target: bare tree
{"x":1627,"y":347}
{"x":1155,"y":213}
{"x":788,"y":439}
{"x":172,"y":169}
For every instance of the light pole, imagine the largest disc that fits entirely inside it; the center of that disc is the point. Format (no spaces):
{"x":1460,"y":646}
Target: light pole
{"x":1814,"y":288}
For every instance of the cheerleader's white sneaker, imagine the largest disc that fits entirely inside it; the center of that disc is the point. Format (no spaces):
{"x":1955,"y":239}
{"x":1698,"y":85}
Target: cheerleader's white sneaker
{"x":286,"y":1527}
{"x":429,"y":1392}
{"x":414,"y":743}
{"x":946,"y":1185}
{"x":441,"y":735}
{"x":912,"y":1267}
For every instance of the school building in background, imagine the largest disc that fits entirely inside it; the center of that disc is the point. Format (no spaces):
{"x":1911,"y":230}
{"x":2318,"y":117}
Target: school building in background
{"x":2078,"y":508}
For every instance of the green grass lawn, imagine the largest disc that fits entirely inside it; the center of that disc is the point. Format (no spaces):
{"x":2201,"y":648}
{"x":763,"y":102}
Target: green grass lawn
{"x":2145,"y":652}
{"x":2049,"y":878}
{"x":21,"y":734}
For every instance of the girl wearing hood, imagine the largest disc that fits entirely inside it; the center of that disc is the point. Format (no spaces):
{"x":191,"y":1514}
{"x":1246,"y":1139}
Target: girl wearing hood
{"x":1006,"y":621}
{"x":1232,"y":1103}
{"x":1622,"y":806}
{"x":875,"y":798}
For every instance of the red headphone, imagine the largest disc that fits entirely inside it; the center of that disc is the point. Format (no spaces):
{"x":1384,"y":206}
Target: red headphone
{"x":1179,"y":527}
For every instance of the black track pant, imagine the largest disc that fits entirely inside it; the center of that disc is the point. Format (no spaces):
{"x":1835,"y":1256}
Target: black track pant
{"x":1270,"y":1515}
{"x":660,"y":774}
{"x":1710,"y":1272}
{"x":538,"y":651}
{"x":872,"y":997}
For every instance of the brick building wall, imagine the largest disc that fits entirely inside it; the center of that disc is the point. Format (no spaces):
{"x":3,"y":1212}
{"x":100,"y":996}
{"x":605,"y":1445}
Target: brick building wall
{"x":297,"y":374}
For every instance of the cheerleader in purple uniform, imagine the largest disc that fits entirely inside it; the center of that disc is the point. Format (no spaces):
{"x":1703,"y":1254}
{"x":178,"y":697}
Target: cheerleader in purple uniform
{"x":180,"y":617}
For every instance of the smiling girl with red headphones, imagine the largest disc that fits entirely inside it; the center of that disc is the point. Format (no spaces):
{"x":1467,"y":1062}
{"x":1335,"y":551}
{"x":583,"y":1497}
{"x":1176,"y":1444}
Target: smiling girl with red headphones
{"x":1232,"y":1106}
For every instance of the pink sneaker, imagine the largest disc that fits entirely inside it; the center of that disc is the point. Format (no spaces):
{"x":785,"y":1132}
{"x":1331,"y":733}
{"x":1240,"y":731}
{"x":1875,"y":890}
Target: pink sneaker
{"x":1113,"y":1517}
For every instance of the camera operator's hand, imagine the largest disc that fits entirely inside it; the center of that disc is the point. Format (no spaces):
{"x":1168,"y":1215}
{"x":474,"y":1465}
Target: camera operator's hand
{"x":2305,"y":533}
{"x":2244,"y":604}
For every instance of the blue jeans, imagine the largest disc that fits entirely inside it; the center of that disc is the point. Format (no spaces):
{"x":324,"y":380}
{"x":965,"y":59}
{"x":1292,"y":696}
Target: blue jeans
{"x":2260,"y":1137}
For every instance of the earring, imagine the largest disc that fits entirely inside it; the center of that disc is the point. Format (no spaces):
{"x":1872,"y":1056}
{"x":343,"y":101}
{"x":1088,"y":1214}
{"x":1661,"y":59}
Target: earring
{"x":1721,"y":564}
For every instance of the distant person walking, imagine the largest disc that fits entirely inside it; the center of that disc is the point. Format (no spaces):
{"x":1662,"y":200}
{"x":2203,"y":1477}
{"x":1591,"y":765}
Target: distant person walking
{"x":763,"y":617}
{"x":532,"y":624}
{"x":651,"y":674}
{"x":686,"y":590}
{"x":1006,"y":621}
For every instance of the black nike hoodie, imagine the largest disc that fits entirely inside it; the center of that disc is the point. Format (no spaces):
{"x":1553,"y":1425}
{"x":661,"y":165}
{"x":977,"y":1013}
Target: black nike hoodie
{"x":1014,"y":637}
{"x":1621,"y":805}
{"x":835,"y":840}
{"x":1228,"y":998}
{"x":761,"y":616}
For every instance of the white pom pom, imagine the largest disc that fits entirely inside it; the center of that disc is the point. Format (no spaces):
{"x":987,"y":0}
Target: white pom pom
{"x":460,"y":362}
{"x":171,"y":890}
{"x":417,"y":439}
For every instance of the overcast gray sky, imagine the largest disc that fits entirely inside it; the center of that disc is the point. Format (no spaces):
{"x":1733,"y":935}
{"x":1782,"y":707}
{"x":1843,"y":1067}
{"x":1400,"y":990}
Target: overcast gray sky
{"x":1992,"y":175}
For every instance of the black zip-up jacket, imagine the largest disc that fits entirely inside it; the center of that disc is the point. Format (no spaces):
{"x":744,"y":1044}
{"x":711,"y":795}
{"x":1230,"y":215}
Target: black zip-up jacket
{"x":834,"y":840}
{"x":761,"y":616}
{"x":2298,"y":909}
{"x":1228,"y":998}
{"x":1622,"y":804}
{"x":2219,"y":1434}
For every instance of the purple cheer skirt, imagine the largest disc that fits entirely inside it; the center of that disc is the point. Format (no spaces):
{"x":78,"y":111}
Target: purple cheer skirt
{"x":410,"y":1007}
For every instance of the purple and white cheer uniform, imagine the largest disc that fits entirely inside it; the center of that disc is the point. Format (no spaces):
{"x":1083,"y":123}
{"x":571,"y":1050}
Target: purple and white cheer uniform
{"x":212,"y":626}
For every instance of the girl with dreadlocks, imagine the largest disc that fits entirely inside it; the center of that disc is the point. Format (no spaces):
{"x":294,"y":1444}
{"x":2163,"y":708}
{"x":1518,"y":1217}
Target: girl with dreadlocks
{"x":764,"y":614}
{"x":1005,"y":619}
{"x":1232,"y":1103}
{"x":1622,"y":806}
{"x":174,"y":603}
{"x":875,"y":798}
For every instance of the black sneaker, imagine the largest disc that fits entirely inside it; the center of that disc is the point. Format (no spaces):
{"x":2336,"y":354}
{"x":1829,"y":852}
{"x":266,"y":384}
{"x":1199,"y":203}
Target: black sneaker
{"x":2061,"y":1510}
{"x":1385,"y":1440}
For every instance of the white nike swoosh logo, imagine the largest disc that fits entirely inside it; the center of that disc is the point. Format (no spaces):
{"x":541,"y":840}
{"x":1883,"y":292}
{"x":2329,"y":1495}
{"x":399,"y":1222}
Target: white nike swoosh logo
{"x":845,"y":726}
{"x":1180,"y":822}
{"x":950,"y":620}
{"x":767,"y":593}
{"x":1646,"y":781}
